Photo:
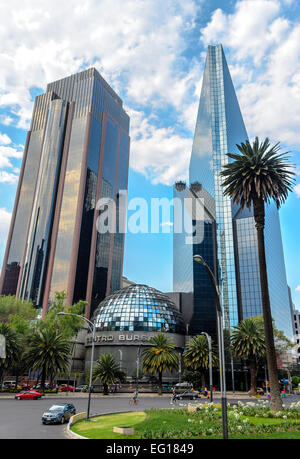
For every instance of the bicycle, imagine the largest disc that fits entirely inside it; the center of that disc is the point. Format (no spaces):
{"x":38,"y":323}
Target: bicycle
{"x":133,"y":401}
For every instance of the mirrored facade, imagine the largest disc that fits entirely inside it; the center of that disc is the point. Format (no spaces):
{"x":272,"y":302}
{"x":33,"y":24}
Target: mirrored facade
{"x":138,"y":308}
{"x":229,"y":246}
{"x":77,"y":151}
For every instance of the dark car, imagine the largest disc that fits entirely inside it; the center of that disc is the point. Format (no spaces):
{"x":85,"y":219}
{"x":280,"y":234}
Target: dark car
{"x":189,"y":394}
{"x":59,"y":413}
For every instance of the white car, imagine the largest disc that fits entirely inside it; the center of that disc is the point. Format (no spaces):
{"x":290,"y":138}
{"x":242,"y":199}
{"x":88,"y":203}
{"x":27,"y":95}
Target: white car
{"x":82,"y":388}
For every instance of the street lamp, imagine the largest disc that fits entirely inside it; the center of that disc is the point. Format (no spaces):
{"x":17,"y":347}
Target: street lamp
{"x":208,"y":337}
{"x":92,"y":329}
{"x":199,"y":259}
{"x":137,"y":368}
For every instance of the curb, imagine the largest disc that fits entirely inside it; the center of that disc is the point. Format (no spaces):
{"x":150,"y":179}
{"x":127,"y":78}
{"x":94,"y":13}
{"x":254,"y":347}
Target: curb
{"x":78,"y":417}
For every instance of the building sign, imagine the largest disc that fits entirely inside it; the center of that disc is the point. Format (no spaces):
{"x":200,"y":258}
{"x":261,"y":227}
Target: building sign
{"x":121,"y":338}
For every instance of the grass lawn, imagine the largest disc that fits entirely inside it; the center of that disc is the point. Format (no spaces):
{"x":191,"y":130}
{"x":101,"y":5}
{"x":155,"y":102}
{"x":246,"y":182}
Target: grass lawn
{"x":165,"y":420}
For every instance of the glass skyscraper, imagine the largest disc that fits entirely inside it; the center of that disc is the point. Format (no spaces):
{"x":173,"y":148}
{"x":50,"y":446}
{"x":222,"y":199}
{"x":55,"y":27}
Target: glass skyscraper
{"x":229,"y":245}
{"x":76,"y":152}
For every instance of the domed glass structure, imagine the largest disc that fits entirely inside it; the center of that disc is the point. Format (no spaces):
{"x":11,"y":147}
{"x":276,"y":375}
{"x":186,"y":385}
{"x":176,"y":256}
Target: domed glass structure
{"x":138,"y":308}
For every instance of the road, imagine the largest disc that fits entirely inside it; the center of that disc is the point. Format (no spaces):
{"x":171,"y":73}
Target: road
{"x":21,"y":419}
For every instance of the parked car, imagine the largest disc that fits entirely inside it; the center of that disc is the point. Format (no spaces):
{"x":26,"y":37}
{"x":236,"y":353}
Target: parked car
{"x":183,"y":387}
{"x":47,"y":386}
{"x":26,"y":387}
{"x":65,"y":388}
{"x":30,"y":394}
{"x":82,"y":388}
{"x":189,"y":394}
{"x":11,"y":385}
{"x":58,"y":414}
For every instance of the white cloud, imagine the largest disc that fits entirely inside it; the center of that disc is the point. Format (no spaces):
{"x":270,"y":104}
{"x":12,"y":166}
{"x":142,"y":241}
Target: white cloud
{"x":137,"y":46}
{"x":6,"y":154}
{"x":159,"y":153}
{"x":8,"y":177}
{"x":5,"y":217}
{"x":297,"y":190}
{"x":4,"y":139}
{"x":297,"y":288}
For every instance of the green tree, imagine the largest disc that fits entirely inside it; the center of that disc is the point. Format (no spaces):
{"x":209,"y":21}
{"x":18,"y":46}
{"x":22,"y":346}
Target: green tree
{"x":13,"y":347}
{"x":68,"y":326}
{"x":161,"y":356}
{"x":196,"y":356}
{"x":11,"y":307}
{"x":108,"y":371}
{"x":256,"y":176}
{"x":248,"y":343}
{"x":47,"y":351}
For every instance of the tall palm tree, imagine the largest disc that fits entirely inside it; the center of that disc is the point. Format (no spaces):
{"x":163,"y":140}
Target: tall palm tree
{"x":248,"y":343}
{"x":258,"y":175}
{"x":13,"y":347}
{"x":196,"y":355}
{"x":48,"y":351}
{"x":108,"y":371}
{"x":161,"y":356}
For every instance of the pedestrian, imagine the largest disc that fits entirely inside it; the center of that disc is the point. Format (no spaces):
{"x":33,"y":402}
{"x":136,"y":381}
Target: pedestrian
{"x":174,"y":397}
{"x":56,"y":388}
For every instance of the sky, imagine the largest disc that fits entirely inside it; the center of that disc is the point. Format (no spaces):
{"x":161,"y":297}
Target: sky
{"x":152,"y":53}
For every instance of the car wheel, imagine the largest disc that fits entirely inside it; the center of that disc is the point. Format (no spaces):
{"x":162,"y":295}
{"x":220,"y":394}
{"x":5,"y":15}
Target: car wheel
{"x":44,"y":423}
{"x":62,"y":421}
{"x":35,"y":398}
{"x":18,"y":398}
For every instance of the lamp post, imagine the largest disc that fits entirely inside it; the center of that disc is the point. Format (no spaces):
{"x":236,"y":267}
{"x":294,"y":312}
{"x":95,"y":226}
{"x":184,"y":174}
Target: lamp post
{"x":199,"y":259}
{"x":121,"y":358}
{"x":208,"y":337}
{"x":92,"y":329}
{"x":137,"y":368}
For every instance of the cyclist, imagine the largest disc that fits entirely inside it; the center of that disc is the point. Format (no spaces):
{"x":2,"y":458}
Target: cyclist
{"x":135,"y":397}
{"x":174,"y":397}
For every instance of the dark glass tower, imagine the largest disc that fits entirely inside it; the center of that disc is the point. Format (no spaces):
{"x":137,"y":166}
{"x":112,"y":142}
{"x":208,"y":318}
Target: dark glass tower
{"x":76,"y":152}
{"x":229,"y":244}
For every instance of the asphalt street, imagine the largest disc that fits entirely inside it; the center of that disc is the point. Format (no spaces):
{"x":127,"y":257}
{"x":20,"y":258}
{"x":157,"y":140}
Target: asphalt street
{"x":21,"y":419}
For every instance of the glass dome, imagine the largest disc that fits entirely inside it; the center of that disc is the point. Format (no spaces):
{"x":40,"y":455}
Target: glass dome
{"x":138,"y":308}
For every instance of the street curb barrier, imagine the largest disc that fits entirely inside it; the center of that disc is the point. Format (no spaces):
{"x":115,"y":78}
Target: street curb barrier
{"x":73,"y":420}
{"x":79,"y":417}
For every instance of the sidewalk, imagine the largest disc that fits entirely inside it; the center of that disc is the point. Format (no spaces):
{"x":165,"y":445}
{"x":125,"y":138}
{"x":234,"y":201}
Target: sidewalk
{"x":217,"y":395}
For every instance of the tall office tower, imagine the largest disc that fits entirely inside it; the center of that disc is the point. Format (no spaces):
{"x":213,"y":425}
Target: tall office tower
{"x":76,"y":152}
{"x":229,"y":245}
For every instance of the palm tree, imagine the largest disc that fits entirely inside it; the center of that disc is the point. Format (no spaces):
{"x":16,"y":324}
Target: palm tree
{"x":258,"y":175}
{"x":108,"y":371}
{"x":48,"y":351}
{"x":161,"y":356}
{"x":13,"y":347}
{"x":248,"y":343}
{"x":196,"y":356}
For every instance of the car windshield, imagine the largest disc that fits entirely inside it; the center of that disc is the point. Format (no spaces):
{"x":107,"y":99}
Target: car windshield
{"x":56,"y":408}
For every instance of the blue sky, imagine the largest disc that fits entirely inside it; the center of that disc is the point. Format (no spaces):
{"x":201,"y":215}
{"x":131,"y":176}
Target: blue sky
{"x":152,"y":53}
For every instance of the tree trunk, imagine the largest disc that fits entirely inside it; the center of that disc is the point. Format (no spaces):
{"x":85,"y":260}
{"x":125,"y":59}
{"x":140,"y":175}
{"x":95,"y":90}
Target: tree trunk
{"x":43,"y":379}
{"x":203,"y":380}
{"x":105,"y":389}
{"x":160,"y":383}
{"x":253,"y":373}
{"x":259,"y":216}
